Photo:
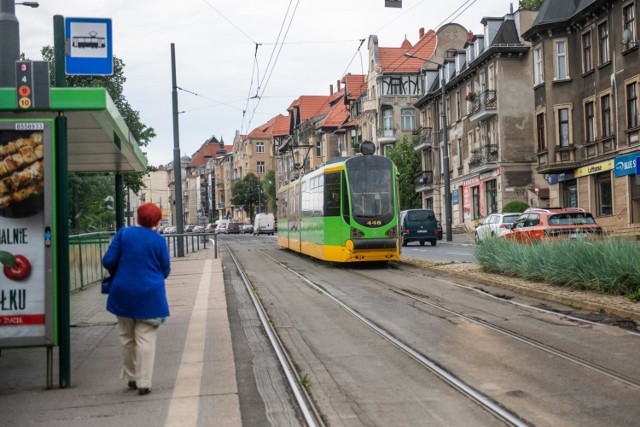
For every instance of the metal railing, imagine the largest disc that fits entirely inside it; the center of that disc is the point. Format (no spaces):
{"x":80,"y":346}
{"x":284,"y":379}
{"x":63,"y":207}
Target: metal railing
{"x":86,"y":252}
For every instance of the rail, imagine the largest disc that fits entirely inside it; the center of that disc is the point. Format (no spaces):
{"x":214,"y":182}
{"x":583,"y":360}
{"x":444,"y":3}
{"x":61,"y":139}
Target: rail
{"x":86,"y":252}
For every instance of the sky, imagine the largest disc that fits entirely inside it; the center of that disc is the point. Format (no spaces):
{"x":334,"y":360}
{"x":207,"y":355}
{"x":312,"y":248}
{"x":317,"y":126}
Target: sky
{"x":241,"y":62}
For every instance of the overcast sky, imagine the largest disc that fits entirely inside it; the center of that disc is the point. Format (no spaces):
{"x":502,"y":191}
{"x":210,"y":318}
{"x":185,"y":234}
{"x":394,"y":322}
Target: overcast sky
{"x":217,"y":67}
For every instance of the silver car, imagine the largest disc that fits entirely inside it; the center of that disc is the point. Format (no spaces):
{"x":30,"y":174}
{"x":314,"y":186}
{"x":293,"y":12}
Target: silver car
{"x":494,"y":225}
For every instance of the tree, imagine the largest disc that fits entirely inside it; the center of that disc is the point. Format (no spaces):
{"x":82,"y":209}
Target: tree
{"x":246,"y":193}
{"x":407,"y":161}
{"x":531,"y":4}
{"x":269,"y":187}
{"x":80,"y":203}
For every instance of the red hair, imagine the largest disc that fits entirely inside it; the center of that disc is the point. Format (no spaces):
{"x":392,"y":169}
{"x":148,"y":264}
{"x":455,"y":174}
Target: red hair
{"x":149,"y":215}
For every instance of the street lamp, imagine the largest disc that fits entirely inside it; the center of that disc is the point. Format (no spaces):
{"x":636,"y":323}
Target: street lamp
{"x":10,"y":44}
{"x":445,"y":147}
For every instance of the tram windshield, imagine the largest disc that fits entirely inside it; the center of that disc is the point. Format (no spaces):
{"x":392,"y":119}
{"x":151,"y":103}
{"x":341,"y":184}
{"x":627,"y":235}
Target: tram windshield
{"x":371,"y":188}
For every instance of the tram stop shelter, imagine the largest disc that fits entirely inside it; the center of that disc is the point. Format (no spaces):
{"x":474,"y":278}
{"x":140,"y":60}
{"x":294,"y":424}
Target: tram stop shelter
{"x":79,"y":130}
{"x":98,"y":139}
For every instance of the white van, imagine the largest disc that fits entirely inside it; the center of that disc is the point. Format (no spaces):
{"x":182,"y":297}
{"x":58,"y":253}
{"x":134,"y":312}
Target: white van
{"x":263,"y":224}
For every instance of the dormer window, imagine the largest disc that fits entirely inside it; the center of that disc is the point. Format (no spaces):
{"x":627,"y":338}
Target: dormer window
{"x":460,"y":61}
{"x":470,"y":53}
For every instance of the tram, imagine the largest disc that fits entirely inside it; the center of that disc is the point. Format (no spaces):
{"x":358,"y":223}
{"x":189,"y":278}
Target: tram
{"x":345,"y":211}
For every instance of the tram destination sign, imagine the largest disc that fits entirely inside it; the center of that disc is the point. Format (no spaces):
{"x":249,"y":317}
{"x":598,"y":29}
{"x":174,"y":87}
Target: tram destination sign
{"x":89,"y":49}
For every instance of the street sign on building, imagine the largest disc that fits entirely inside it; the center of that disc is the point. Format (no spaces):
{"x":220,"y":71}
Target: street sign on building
{"x":89,"y":49}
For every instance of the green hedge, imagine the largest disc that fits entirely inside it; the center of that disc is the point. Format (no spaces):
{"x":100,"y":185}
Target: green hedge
{"x":515,"y":207}
{"x":609,"y":266}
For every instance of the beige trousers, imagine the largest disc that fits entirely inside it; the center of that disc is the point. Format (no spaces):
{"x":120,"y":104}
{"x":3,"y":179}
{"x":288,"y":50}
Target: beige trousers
{"x":138,"y":341}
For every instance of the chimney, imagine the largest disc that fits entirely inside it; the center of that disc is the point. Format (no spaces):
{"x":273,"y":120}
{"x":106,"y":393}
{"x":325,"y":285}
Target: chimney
{"x":338,"y":85}
{"x":330,"y":90}
{"x":421,"y":33}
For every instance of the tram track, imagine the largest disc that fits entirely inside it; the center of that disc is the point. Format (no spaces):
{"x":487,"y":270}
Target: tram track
{"x":304,"y":402}
{"x":496,"y":363}
{"x":496,"y":409}
{"x":511,"y":334}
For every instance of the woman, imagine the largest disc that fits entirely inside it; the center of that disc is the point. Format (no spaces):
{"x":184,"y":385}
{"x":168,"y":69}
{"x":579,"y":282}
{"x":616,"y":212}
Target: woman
{"x":138,"y":261}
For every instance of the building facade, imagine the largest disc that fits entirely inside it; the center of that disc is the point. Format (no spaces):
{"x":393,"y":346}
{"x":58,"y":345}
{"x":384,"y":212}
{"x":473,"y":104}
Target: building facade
{"x":586,"y":76}
{"x":488,"y":109}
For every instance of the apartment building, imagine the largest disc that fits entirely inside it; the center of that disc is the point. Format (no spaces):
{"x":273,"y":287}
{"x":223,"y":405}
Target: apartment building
{"x":320,"y":128}
{"x":586,"y":73}
{"x":295,"y":151}
{"x":394,"y":83}
{"x":488,"y":106}
{"x":254,"y":153}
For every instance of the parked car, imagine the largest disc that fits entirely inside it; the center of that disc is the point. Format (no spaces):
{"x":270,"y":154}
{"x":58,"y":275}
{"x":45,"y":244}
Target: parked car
{"x":233,"y":227}
{"x":188,"y":228}
{"x":537,"y":224}
{"x":210,"y":228}
{"x":221,"y":228}
{"x":198,"y":229}
{"x":419,"y":225}
{"x":494,"y":225}
{"x":246,"y":229}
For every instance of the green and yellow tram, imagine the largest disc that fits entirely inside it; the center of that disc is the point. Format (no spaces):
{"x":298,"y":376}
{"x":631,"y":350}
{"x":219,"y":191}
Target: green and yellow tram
{"x":346,"y":211}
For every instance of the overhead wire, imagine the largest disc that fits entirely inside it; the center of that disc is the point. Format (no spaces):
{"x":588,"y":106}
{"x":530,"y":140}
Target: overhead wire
{"x":229,"y":21}
{"x":263,"y":81}
{"x":269,"y":72}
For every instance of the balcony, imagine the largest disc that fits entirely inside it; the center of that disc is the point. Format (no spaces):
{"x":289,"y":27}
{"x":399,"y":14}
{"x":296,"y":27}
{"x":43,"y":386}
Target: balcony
{"x":483,"y":106}
{"x":561,"y":159}
{"x":484,"y":158}
{"x":423,"y":138}
{"x":386,"y":136}
{"x":369,"y":105}
{"x":423,"y":181}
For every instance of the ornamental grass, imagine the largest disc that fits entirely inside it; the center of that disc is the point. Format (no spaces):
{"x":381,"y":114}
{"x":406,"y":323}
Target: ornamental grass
{"x":609,"y":266}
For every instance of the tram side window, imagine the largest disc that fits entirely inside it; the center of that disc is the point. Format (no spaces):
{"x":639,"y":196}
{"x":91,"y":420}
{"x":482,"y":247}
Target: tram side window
{"x":346,"y":211}
{"x":332,"y":194}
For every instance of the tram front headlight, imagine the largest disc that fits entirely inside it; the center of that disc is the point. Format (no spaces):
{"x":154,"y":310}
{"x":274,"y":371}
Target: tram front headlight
{"x":392,"y":232}
{"x":356,"y":233}
{"x":349,"y":245}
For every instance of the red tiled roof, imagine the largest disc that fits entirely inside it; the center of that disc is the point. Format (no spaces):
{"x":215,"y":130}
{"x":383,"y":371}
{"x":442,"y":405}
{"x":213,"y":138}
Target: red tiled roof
{"x":393,"y":59}
{"x":276,"y":126}
{"x":354,"y":84}
{"x":310,"y":106}
{"x":336,"y":116}
{"x":200,"y":158}
{"x":261,"y":131}
{"x":280,"y":126}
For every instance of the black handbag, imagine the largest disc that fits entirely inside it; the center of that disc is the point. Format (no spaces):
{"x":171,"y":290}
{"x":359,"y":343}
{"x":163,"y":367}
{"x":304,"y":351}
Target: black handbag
{"x":106,"y":285}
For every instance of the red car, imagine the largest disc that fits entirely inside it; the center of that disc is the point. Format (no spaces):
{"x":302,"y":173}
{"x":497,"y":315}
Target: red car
{"x":538,"y":224}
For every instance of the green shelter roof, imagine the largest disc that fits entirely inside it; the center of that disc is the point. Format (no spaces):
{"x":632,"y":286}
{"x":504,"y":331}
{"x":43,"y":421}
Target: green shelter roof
{"x":98,"y":137}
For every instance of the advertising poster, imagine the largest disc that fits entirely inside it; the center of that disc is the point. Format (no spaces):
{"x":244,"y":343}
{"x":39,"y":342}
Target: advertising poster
{"x":26,"y":276}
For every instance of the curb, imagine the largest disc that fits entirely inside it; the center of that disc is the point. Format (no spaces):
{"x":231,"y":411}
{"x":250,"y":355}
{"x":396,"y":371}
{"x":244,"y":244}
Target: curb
{"x":579,"y":301}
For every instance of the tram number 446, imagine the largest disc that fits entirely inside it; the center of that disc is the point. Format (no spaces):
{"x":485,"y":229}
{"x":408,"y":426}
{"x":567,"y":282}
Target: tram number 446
{"x":373,"y":223}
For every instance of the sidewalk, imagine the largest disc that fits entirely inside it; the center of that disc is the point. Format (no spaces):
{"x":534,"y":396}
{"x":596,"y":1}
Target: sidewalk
{"x":194,"y":375}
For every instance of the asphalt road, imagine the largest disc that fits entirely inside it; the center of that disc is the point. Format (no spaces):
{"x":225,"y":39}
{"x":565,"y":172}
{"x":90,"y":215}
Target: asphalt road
{"x":442,"y":252}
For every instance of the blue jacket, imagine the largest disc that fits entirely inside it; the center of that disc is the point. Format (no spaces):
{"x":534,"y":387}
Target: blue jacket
{"x":138,"y":261}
